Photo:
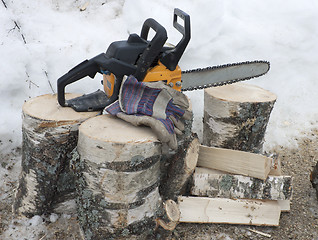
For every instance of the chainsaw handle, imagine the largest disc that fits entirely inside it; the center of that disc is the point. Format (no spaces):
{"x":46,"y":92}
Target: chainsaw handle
{"x":171,"y":58}
{"x":153,"y":48}
{"x":90,"y":68}
{"x":86,"y":68}
{"x":185,"y":29}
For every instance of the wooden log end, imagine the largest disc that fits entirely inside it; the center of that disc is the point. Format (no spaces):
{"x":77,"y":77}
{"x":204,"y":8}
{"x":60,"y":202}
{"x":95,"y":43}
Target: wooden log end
{"x":46,"y":107}
{"x":241,"y":92}
{"x":172,"y":210}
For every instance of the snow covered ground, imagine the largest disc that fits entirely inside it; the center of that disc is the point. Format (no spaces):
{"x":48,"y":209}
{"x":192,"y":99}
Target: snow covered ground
{"x":53,"y":36}
{"x":42,"y":40}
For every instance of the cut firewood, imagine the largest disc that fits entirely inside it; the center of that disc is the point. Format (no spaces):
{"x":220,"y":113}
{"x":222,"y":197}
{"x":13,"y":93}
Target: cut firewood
{"x":223,"y":210}
{"x":236,"y":116}
{"x":171,"y":217}
{"x":284,"y":205}
{"x":214,"y":183}
{"x":117,"y":178}
{"x":50,"y":133}
{"x":172,"y":210}
{"x":234,"y":161}
{"x":180,"y":169}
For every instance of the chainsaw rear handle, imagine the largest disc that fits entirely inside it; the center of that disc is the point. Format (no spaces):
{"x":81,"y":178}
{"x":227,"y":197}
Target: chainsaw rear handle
{"x":171,"y":58}
{"x":90,"y":68}
{"x":86,"y":68}
{"x":115,"y":66}
{"x":153,"y":48}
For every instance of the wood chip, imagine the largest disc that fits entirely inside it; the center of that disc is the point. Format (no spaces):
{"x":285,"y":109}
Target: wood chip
{"x":83,"y":8}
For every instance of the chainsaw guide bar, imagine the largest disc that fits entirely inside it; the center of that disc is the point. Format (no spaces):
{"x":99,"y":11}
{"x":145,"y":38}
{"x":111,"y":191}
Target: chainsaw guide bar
{"x":220,"y":75}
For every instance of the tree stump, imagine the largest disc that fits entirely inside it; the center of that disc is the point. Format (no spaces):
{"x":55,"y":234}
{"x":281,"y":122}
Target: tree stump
{"x":236,"y":116}
{"x":49,"y":135}
{"x":118,"y":175}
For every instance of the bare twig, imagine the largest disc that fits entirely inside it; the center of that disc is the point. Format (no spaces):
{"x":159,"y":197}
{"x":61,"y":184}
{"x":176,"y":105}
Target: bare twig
{"x":16,"y":25}
{"x":4,"y":3}
{"x":47,"y":76}
{"x":43,"y":237}
{"x":30,"y":82}
{"x":19,"y":29}
{"x":260,"y":233}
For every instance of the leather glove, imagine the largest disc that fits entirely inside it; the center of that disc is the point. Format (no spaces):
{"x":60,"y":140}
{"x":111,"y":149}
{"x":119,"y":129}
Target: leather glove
{"x":153,"y":104}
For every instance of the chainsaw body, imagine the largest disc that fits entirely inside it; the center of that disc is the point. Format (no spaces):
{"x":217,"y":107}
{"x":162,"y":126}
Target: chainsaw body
{"x":147,"y":60}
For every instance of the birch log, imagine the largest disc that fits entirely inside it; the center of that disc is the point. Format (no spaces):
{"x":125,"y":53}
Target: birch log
{"x":213,"y":183}
{"x":168,"y":221}
{"x":180,"y":169}
{"x":117,"y":179}
{"x":49,"y":135}
{"x":236,"y":116}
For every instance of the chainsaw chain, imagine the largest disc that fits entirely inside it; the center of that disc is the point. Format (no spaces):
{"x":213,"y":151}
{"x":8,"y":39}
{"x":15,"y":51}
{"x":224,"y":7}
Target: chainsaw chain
{"x":219,"y":67}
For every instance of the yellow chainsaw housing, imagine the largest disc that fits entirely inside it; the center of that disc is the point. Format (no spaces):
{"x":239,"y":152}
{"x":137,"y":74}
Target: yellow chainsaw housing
{"x":155,"y":74}
{"x":109,"y":84}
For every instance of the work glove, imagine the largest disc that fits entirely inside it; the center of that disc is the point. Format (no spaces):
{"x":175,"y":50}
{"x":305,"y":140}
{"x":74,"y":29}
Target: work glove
{"x":153,"y":104}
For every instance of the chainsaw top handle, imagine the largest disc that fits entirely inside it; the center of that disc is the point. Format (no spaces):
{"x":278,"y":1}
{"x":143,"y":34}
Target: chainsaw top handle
{"x":171,"y":57}
{"x":153,"y":48}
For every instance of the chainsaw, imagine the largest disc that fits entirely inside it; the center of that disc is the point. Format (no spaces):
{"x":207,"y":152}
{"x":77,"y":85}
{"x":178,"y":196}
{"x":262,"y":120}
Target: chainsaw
{"x":149,"y":61}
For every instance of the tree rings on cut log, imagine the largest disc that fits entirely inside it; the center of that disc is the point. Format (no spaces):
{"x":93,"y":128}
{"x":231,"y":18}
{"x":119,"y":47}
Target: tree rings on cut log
{"x":171,"y":217}
{"x":117,"y":179}
{"x":236,"y":116}
{"x":50,"y":134}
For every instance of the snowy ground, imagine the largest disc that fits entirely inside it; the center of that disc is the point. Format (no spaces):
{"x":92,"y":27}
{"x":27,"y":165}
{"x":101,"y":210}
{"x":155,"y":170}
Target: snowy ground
{"x":42,"y":40}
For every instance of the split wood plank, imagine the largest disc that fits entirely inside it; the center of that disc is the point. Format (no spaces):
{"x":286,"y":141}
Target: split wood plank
{"x":214,"y":183}
{"x":284,"y":205}
{"x":234,"y":161}
{"x":224,"y":210}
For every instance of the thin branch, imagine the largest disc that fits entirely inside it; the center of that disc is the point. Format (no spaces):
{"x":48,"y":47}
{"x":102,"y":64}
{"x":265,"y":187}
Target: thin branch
{"x":19,"y":29}
{"x":5,"y":5}
{"x":47,"y":76}
{"x":30,"y":82}
{"x":16,"y":25}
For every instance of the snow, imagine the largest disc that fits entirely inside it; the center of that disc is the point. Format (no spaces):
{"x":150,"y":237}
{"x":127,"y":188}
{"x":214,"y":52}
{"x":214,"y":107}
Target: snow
{"x":59,"y":36}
